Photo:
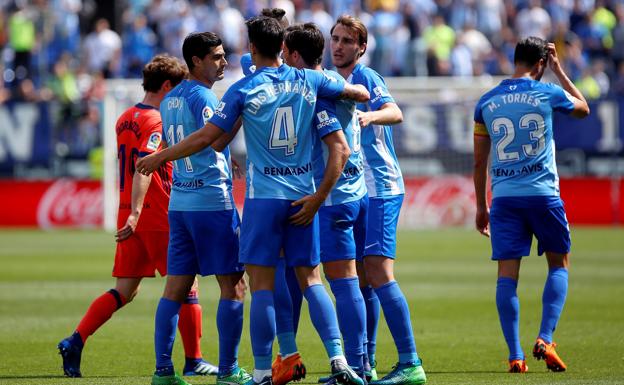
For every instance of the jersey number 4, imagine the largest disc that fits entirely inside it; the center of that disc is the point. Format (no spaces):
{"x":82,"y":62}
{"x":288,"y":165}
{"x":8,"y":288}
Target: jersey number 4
{"x":177,"y":137}
{"x":283,"y":133}
{"x":533,"y":122}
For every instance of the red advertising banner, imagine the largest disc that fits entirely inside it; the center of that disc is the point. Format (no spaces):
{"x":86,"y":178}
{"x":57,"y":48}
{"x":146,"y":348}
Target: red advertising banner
{"x":429,"y":202}
{"x":51,"y":204}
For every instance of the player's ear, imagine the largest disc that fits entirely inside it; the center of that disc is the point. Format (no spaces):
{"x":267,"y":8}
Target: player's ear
{"x":166,"y":86}
{"x":362,"y":50}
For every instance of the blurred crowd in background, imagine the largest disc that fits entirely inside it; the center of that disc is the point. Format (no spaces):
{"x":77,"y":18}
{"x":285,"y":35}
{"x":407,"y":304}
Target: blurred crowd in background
{"x":63,"y":50}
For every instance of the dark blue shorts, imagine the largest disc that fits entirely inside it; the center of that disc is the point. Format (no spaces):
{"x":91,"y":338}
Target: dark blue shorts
{"x":203,"y":242}
{"x":343,"y":230}
{"x":514,"y":221}
{"x":266,"y":230}
{"x":383,"y":217}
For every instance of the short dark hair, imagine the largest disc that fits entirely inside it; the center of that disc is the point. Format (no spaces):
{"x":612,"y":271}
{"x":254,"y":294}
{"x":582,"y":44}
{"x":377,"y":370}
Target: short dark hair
{"x":276,"y":13}
{"x":160,"y":69}
{"x":308,"y":40}
{"x":530,"y":50}
{"x":355,"y":25}
{"x":199,"y":44}
{"x":266,"y":34}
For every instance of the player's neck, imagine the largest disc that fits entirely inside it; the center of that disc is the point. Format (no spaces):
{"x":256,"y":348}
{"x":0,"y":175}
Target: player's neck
{"x":207,"y":82}
{"x":522,"y":72}
{"x":152,"y":99}
{"x":267,"y":62}
{"x":345,"y":72}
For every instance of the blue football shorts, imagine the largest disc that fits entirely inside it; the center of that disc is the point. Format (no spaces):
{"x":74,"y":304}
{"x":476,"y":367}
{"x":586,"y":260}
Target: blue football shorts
{"x":343,"y":230}
{"x":266,"y":230}
{"x":514,"y":221}
{"x":383,"y":217}
{"x":203,"y":242}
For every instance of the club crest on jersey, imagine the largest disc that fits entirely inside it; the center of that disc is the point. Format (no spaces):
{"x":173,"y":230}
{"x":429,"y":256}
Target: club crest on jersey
{"x":379,"y":92}
{"x":512,"y":88}
{"x":207,"y":114}
{"x":154,"y":141}
{"x":252,"y":69}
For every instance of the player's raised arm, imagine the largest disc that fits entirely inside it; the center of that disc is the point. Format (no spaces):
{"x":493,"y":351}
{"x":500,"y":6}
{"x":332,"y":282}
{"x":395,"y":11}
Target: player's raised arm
{"x":192,"y":144}
{"x":387,"y":114}
{"x":581,"y":108}
{"x":355,"y":92}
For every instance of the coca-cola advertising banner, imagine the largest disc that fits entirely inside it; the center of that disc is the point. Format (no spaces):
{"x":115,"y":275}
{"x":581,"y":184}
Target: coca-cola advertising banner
{"x":51,"y":204}
{"x":429,"y":202}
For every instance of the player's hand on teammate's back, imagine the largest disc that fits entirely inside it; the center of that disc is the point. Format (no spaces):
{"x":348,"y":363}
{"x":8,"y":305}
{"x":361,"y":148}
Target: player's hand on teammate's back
{"x":482,"y":221}
{"x":128,"y":229}
{"x":310,"y":205}
{"x":148,"y":164}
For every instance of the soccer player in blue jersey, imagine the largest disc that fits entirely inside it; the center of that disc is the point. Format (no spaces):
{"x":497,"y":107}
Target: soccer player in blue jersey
{"x":342,"y":217}
{"x":384,"y":182}
{"x":277,"y":107}
{"x":514,"y":130}
{"x":203,"y":220}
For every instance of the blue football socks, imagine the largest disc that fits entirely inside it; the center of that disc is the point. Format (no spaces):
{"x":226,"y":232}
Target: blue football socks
{"x":397,"y":315}
{"x":553,"y":299}
{"x":324,"y":318}
{"x":166,"y":322}
{"x":351,"y":312}
{"x":262,"y":328}
{"x":509,"y":315}
{"x":230,"y":328}
{"x":372,"y":320}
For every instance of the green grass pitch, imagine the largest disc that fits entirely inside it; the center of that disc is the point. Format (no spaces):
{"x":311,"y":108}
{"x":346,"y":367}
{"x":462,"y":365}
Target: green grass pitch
{"x":47,"y":280}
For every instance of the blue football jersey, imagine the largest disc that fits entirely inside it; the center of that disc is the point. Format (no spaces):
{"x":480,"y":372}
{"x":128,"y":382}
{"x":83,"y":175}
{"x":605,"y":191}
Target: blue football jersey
{"x":247,"y":64}
{"x":382,"y":172}
{"x":333,"y":115}
{"x":202,"y":181}
{"x":517,"y":116}
{"x":277,"y":107}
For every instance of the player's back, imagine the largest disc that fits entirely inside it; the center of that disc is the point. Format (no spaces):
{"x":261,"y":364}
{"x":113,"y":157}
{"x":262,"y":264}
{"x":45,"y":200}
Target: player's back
{"x":202,"y":181}
{"x":350,"y":186}
{"x":139,"y":132}
{"x":518,"y":117}
{"x":277,"y":105}
{"x":383,"y":174}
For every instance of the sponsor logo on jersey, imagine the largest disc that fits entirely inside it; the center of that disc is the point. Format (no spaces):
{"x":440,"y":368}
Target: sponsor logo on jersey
{"x":324,"y":119}
{"x":154,"y":141}
{"x":219,"y":111}
{"x":252,"y":69}
{"x":207,"y":114}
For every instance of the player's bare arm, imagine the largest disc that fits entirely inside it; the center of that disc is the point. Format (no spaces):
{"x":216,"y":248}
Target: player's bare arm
{"x":581,"y":108}
{"x":387,"y":114}
{"x":356,"y":92}
{"x":140,"y":185}
{"x":481,"y":155}
{"x":227,"y":137}
{"x":192,"y":144}
{"x":339,"y":153}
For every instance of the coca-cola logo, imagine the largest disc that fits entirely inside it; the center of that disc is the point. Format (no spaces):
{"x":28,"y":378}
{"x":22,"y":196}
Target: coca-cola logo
{"x":70,"y":203}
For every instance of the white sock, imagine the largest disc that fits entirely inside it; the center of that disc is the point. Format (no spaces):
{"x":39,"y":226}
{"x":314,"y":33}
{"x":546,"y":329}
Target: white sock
{"x":340,"y":358}
{"x":285,"y":356}
{"x":259,"y":375}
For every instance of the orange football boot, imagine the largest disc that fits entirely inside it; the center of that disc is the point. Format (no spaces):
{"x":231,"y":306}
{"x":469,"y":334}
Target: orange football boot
{"x":518,"y":366}
{"x":287,"y":370}
{"x":546,"y":352}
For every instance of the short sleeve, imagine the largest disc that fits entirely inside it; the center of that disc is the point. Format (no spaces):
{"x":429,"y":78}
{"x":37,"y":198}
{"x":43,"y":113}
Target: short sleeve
{"x":327,"y":86}
{"x":379,"y":94}
{"x":203,"y":108}
{"x":479,"y":123}
{"x":247,"y":64}
{"x":561,"y":100}
{"x":151,"y":135}
{"x":228,"y":111}
{"x":325,"y":119}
